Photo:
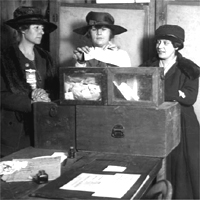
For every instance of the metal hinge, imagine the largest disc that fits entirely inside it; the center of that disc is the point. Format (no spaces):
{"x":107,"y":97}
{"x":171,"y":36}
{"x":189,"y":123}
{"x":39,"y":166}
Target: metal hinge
{"x":162,"y":16}
{"x":55,"y":17}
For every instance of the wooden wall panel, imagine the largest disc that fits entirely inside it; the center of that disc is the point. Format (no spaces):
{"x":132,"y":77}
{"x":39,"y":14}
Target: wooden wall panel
{"x":8,"y":35}
{"x":68,"y":17}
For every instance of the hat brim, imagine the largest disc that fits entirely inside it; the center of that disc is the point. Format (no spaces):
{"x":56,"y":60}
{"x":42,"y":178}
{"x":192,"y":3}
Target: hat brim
{"x":48,"y":26}
{"x":115,"y":28}
{"x":171,"y":38}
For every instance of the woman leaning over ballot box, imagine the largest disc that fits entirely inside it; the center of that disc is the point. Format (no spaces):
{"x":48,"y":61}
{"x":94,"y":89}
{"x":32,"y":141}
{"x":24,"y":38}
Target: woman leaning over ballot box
{"x":100,"y":29}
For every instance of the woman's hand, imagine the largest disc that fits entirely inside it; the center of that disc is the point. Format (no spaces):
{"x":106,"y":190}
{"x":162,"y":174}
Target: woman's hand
{"x":110,"y":46}
{"x":40,"y":95}
{"x":79,"y":53}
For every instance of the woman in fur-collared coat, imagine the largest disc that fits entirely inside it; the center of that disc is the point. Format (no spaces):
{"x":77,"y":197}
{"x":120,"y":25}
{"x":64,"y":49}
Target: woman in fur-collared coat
{"x":181,"y":85}
{"x":19,"y":92}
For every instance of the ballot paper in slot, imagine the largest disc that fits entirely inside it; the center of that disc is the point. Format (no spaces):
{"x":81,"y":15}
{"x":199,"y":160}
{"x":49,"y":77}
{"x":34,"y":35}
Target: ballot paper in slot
{"x":128,"y":93}
{"x":137,"y":86}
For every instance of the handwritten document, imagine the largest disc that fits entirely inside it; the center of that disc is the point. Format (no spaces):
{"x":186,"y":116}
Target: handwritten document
{"x":103,"y":185}
{"x":25,"y":169}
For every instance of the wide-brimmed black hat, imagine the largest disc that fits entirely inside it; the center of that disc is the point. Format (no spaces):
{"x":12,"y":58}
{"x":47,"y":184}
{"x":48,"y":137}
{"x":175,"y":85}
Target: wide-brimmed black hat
{"x":29,"y":15}
{"x":100,"y":19}
{"x":171,"y":32}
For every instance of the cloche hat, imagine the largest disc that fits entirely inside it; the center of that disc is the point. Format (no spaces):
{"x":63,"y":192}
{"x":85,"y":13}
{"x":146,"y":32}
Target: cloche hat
{"x":171,"y":32}
{"x":29,"y":15}
{"x":100,"y":19}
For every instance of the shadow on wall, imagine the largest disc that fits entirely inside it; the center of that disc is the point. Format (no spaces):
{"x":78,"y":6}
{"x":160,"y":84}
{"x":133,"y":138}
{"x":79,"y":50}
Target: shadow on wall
{"x":73,"y":41}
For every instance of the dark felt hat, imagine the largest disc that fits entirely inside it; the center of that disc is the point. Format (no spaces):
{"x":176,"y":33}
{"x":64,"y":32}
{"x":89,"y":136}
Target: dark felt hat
{"x":100,"y":19}
{"x":29,"y":15}
{"x":171,"y":32}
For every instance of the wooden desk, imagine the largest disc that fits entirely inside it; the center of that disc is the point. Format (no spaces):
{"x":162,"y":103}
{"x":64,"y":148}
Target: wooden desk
{"x":91,"y":162}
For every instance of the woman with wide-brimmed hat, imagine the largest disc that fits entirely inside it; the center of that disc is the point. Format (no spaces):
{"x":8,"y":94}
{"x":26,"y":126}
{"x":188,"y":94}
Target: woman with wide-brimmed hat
{"x":181,"y":85}
{"x":101,"y":29}
{"x":28,"y":75}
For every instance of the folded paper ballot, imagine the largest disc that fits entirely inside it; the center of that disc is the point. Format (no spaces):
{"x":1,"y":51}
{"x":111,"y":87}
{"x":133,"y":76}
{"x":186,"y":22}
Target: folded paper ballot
{"x":110,"y":56}
{"x":128,"y":93}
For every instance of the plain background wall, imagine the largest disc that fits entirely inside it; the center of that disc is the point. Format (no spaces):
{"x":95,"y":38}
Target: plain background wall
{"x":74,"y":17}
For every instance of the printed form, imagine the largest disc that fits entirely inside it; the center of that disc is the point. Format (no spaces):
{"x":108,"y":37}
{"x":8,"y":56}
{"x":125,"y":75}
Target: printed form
{"x":103,"y":185}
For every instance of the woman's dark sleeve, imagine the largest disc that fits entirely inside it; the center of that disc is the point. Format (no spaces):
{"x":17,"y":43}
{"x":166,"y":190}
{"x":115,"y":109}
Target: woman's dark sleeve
{"x":190,"y":89}
{"x":14,"y":102}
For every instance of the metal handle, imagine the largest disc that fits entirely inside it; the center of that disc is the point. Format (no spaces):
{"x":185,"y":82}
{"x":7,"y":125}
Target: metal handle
{"x":118,"y":131}
{"x":53,"y":112}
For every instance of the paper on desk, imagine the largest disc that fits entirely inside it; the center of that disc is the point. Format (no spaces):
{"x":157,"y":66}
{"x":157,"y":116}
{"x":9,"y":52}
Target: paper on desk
{"x":117,"y":186}
{"x":146,"y":179}
{"x":51,"y":165}
{"x":85,"y":182}
{"x":103,"y":185}
{"x":9,"y":167}
{"x":112,"y":168}
{"x":62,"y":155}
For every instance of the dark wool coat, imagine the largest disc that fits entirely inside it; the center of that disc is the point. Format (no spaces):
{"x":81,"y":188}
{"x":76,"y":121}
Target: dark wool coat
{"x":183,"y":162}
{"x":16,"y":109}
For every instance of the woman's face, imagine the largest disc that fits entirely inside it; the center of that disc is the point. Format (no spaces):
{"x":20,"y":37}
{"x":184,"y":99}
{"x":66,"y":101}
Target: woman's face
{"x":100,"y":35}
{"x":165,"y":49}
{"x":34,"y":34}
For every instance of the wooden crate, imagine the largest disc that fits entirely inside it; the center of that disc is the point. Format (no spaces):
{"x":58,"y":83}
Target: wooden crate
{"x":128,"y":130}
{"x":54,"y":126}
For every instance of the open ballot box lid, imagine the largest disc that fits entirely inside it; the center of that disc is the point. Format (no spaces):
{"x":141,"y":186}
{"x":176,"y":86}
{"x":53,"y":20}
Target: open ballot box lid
{"x":136,"y":86}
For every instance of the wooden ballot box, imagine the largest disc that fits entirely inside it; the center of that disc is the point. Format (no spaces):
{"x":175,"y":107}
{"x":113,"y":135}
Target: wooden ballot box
{"x":136,"y":86}
{"x":112,"y":110}
{"x":128,"y":130}
{"x":54,"y":125}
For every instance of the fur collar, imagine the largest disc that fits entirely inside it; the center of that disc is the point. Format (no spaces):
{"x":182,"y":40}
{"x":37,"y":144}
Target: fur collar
{"x":12,"y":72}
{"x":14,"y":75}
{"x":189,"y":68}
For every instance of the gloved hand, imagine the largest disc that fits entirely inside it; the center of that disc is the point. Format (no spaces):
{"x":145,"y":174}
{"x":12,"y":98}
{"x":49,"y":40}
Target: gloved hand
{"x":40,"y":95}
